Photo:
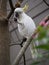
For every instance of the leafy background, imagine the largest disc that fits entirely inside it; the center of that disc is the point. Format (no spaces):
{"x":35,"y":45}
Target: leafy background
{"x":43,"y":37}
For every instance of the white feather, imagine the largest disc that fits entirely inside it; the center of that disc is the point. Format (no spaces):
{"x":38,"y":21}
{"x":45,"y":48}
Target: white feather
{"x":28,"y":26}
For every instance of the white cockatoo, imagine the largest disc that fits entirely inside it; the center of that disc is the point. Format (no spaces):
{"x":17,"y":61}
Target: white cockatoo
{"x":26,"y":27}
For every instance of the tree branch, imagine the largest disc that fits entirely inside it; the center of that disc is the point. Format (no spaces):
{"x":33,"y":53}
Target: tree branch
{"x":12,"y":9}
{"x":46,"y":3}
{"x":11,"y":4}
{"x":10,"y":13}
{"x":16,"y":61}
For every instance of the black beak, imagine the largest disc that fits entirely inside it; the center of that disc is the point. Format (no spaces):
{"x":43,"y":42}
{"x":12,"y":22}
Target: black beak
{"x":15,"y":19}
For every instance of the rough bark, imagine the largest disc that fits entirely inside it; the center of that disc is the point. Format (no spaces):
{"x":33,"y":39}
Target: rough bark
{"x":3,"y":8}
{"x":4,"y":43}
{"x":4,"y":36}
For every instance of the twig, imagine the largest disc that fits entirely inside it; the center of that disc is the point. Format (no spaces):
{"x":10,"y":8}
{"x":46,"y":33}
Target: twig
{"x":16,"y":61}
{"x":11,"y":4}
{"x":12,"y":9}
{"x":46,"y":3}
{"x":10,"y":13}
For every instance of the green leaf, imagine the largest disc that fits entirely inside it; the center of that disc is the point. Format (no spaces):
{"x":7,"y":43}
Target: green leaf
{"x":35,"y":63}
{"x":39,"y":28}
{"x":42,"y":33}
{"x":43,"y":46}
{"x":38,"y":62}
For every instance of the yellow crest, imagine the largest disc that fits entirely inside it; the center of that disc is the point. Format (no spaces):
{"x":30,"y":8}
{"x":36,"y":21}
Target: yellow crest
{"x":25,"y":8}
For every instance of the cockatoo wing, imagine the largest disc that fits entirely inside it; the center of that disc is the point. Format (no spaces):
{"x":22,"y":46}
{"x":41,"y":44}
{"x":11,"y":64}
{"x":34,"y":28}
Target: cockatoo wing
{"x":28,"y":26}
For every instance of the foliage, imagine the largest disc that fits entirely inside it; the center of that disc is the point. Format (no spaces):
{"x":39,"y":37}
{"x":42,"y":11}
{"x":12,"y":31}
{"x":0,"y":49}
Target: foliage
{"x":43,"y":36}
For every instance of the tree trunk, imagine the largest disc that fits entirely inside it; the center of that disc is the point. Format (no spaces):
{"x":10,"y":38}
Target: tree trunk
{"x":4,"y":36}
{"x":3,"y":7}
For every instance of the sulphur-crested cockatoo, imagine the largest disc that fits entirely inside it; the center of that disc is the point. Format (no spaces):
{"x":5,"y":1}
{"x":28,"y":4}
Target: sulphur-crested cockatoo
{"x":26,"y":27}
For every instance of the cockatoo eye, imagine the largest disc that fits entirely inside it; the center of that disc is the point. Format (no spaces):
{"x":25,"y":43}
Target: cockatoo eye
{"x":17,"y":14}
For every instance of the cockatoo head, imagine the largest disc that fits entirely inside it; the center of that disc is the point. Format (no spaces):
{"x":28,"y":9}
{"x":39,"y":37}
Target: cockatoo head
{"x":18,"y":13}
